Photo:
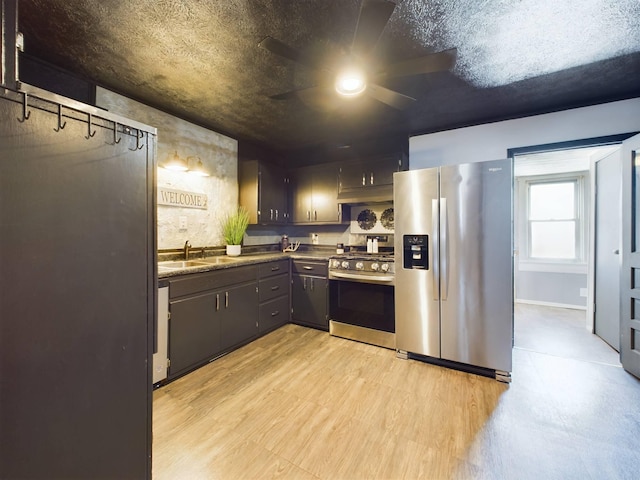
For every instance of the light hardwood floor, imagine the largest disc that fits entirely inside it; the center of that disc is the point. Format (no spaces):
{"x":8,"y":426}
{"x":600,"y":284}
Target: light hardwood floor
{"x":300,"y":404}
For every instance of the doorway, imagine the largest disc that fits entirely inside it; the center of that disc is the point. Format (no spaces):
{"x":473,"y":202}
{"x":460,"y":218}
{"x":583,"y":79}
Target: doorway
{"x":554,"y":240}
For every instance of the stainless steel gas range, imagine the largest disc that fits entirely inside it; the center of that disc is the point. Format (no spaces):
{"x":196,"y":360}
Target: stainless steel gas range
{"x":361,"y":298}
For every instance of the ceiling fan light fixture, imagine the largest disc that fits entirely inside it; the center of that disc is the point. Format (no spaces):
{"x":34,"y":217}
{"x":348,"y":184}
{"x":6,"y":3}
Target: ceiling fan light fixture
{"x":350,"y":83}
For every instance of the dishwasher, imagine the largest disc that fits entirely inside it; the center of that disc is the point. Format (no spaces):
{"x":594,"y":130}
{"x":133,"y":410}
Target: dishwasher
{"x":162,"y":335}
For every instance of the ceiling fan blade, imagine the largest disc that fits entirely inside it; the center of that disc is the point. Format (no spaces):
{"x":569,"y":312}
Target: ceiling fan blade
{"x":282,"y":49}
{"x":389,"y":97}
{"x":434,"y":62}
{"x":318,"y":97}
{"x":374,"y":15}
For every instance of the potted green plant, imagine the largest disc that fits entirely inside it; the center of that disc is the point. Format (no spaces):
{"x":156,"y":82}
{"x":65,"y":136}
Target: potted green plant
{"x":233,"y":227}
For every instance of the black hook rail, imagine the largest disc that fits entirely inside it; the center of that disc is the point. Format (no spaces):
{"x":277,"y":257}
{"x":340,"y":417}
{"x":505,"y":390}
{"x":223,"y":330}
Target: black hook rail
{"x":61,"y":124}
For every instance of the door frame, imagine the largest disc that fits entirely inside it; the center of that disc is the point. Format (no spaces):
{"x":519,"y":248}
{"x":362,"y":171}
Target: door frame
{"x":629,"y":321}
{"x":568,"y":145}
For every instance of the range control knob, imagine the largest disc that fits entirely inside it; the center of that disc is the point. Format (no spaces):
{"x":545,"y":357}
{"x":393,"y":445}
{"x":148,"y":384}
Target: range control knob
{"x":345,"y":265}
{"x":375,"y":267}
{"x":359,"y":266}
{"x":335,"y":263}
{"x":385,"y":267}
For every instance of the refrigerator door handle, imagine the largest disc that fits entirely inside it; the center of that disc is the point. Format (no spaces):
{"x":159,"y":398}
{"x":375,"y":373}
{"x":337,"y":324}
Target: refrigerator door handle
{"x":435,"y":262}
{"x":444,"y":247}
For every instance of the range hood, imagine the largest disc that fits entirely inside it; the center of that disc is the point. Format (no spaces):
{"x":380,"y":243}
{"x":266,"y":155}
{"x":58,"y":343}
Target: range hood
{"x":361,"y":196}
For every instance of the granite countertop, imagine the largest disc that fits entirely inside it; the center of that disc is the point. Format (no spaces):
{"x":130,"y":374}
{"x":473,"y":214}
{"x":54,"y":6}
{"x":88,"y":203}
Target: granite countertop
{"x":200,"y":265}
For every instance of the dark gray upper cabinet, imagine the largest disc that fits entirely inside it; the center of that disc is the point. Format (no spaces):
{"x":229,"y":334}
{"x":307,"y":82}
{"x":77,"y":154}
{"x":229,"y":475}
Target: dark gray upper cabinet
{"x":263,"y":192}
{"x":314,"y":195}
{"x":370,"y":179}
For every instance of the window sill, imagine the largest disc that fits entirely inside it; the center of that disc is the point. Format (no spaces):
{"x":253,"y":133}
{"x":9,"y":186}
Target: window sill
{"x":577,"y":268}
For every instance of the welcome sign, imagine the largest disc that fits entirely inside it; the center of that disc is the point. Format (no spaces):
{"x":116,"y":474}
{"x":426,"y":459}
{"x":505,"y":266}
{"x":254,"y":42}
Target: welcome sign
{"x":180,"y":198}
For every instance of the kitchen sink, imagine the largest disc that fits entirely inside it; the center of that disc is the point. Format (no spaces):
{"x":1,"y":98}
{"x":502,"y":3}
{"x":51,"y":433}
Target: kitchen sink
{"x":174,"y":265}
{"x":182,"y":264}
{"x":218,"y":260}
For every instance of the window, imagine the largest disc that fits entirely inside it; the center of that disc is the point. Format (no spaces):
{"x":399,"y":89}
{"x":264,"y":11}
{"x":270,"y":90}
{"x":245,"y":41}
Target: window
{"x":554,"y":218}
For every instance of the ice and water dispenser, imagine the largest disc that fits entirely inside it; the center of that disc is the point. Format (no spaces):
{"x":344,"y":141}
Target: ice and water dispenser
{"x":415,"y":252}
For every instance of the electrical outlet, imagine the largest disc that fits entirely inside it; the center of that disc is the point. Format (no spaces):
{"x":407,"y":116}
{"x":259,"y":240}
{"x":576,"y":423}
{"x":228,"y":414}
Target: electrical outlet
{"x":583,"y":292}
{"x":182,"y":222}
{"x":315,"y":238}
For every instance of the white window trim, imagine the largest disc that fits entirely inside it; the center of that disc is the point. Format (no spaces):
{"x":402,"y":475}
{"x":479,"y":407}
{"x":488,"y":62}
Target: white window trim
{"x":526,"y":263}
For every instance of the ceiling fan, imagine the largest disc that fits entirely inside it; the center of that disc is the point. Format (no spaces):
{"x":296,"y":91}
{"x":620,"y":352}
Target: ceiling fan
{"x":355,"y":73}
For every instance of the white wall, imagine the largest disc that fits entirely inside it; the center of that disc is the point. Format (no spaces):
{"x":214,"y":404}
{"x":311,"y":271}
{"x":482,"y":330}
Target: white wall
{"x":491,"y":141}
{"x":219,"y":155}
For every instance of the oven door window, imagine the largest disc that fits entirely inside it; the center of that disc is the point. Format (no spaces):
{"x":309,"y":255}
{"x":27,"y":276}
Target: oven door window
{"x":363,"y":304}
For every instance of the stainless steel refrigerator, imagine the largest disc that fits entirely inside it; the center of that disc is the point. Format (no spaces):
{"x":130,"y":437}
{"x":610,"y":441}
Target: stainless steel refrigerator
{"x":454,"y":266}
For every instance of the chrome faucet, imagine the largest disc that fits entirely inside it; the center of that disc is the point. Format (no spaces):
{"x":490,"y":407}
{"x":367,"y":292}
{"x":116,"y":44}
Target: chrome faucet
{"x":187,"y":246}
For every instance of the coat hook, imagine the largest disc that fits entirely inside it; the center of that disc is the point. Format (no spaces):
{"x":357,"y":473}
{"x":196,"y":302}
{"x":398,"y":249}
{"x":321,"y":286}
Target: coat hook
{"x":139,"y":135}
{"x":115,"y":134}
{"x":25,"y":114}
{"x":61,"y":125}
{"x":89,"y":133}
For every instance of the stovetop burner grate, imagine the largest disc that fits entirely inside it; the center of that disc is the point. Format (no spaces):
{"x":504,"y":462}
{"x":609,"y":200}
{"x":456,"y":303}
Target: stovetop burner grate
{"x":374,"y":257}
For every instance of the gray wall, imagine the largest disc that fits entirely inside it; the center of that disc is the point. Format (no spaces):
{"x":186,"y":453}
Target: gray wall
{"x":219,"y":155}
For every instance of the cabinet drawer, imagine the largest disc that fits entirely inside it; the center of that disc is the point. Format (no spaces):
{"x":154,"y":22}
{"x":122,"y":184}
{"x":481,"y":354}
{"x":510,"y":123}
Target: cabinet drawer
{"x":199,"y":282}
{"x":274,"y":268}
{"x":274,"y":314}
{"x":273,"y":287}
{"x":310,"y":268}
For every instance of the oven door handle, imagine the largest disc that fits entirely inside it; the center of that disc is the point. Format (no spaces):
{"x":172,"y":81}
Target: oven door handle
{"x":361,"y":278}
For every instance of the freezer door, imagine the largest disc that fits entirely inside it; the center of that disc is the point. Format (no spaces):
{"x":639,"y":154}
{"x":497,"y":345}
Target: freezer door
{"x":476,"y":263}
{"x":416,"y":287}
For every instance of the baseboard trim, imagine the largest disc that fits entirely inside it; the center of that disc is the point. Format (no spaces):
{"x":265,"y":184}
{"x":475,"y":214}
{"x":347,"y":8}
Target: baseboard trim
{"x":551,"y":304}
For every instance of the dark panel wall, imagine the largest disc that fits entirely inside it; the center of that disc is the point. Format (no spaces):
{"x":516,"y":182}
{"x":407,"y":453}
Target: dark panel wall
{"x":76,"y":301}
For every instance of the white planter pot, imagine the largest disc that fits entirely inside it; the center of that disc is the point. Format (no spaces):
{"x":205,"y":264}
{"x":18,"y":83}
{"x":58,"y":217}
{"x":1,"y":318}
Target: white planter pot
{"x":234,"y":250}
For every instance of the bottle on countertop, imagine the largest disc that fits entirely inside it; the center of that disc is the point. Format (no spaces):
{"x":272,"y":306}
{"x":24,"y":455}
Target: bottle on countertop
{"x":375,"y":245}
{"x":369,"y":245}
{"x":284,"y":243}
{"x":340,"y":248}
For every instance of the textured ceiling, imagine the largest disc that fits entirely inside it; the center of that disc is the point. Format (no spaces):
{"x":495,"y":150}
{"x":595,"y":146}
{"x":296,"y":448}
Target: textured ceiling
{"x":199,"y":60}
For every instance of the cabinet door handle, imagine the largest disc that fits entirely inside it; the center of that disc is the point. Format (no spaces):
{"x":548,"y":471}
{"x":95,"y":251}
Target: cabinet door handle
{"x":307,"y":267}
{"x":275,"y":269}
{"x":364,"y":179}
{"x":276,"y":214}
{"x":275,"y":287}
{"x":311,"y":283}
{"x":308,"y":214}
{"x":226,"y":299}
{"x":371,"y":179}
{"x":217,"y":302}
{"x":315,"y":215}
{"x":271,"y":213}
{"x":304,"y":283}
{"x":277,"y":312}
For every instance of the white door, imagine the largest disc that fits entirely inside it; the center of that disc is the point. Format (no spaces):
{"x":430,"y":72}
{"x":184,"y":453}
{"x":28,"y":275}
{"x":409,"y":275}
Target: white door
{"x":607,"y":248}
{"x":630,"y":275}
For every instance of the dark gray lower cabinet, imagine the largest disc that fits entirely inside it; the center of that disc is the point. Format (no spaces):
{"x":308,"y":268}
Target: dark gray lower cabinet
{"x":239,"y":313}
{"x":274,"y":295}
{"x":210,"y":313}
{"x":195,"y":332}
{"x":309,"y":293}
